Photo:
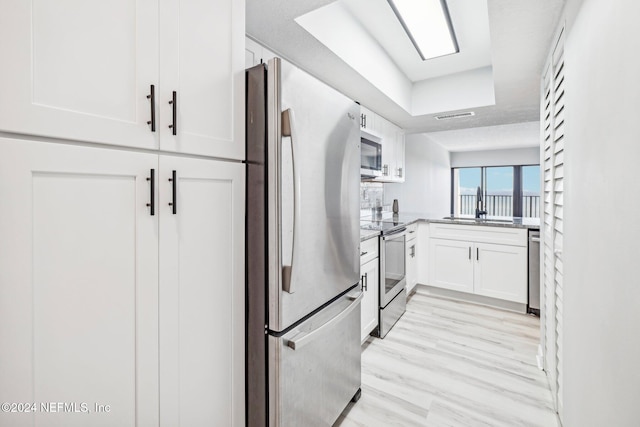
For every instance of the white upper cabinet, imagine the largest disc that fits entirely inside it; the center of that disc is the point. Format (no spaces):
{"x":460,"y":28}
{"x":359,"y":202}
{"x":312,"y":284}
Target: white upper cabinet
{"x":255,"y":54}
{"x":201,"y":60}
{"x":79,"y":71}
{"x":388,"y":150}
{"x":85,"y":72}
{"x":392,"y":147}
{"x":399,"y":154}
{"x":370,"y":121}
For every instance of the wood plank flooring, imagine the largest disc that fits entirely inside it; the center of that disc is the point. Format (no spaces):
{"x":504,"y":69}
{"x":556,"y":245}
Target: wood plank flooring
{"x":449,"y":363}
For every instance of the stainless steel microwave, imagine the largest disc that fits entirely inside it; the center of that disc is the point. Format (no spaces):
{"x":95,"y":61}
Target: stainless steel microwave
{"x":370,"y":158}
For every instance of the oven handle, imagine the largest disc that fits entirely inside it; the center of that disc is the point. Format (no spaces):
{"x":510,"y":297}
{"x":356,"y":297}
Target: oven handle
{"x":399,"y":233}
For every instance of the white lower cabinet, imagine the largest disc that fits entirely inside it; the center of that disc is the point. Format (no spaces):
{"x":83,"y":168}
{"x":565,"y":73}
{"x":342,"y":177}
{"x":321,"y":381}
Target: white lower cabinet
{"x":478,"y":266}
{"x":369,"y":282}
{"x":369,"y":310}
{"x":201,"y":293}
{"x":411,"y":257}
{"x":104,"y":303}
{"x":501,"y":272}
{"x":450,"y":264}
{"x":422,"y":258}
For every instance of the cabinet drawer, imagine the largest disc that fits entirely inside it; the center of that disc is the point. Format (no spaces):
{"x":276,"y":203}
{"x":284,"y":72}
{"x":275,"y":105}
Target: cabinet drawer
{"x":412,"y":231}
{"x":480,"y":233}
{"x":368,"y":250}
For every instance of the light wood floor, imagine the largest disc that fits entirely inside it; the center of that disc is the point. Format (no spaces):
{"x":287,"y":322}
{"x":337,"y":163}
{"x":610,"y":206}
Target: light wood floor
{"x":448,"y":363}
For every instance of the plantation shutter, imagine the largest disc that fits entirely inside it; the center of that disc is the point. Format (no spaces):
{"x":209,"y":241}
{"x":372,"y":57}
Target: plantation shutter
{"x":547,"y":216}
{"x":558,"y":204}
{"x":553,"y":135}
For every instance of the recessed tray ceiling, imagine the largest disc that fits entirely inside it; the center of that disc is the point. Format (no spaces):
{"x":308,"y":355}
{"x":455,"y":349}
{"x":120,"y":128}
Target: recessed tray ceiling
{"x":367,"y":35}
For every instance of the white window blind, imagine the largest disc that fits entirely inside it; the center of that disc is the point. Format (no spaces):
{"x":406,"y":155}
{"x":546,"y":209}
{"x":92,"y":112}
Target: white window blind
{"x":553,"y":114}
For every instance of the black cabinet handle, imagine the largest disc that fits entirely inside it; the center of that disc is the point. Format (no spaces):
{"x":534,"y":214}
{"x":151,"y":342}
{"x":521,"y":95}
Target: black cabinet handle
{"x":174,"y":104}
{"x":174,"y":196}
{"x":152,"y":193}
{"x":152,"y":98}
{"x":477,"y":254}
{"x":363,"y":253}
{"x":469,"y":252}
{"x":366,"y":281}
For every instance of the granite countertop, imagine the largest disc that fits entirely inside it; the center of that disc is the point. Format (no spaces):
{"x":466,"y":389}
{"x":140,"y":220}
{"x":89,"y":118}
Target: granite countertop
{"x":412,"y":217}
{"x":368,"y":234}
{"x":515,"y":222}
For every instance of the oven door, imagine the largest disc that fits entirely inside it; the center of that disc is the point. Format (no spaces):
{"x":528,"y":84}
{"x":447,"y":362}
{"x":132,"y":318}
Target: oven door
{"x":392,"y":265}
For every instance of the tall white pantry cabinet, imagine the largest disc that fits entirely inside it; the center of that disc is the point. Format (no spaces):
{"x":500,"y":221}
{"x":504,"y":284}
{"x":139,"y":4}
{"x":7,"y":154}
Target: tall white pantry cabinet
{"x":122,"y":212}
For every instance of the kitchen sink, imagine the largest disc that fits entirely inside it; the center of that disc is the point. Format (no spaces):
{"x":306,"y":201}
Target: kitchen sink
{"x":482,"y":220}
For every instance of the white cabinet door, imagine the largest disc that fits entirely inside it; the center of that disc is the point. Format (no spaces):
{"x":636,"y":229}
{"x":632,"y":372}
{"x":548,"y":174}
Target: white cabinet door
{"x":369,"y":307}
{"x":367,"y":120}
{"x":255,"y":54}
{"x":252,"y":53}
{"x":79,"y":70}
{"x":399,"y":154}
{"x":422,"y":257}
{"x":201,"y":292}
{"x":501,"y":272}
{"x":78,"y":275}
{"x":202,"y":45}
{"x":412,"y":264}
{"x":388,"y":151}
{"x":451,"y":265}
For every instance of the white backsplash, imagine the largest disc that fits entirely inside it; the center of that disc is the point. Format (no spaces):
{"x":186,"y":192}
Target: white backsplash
{"x":371,"y":197}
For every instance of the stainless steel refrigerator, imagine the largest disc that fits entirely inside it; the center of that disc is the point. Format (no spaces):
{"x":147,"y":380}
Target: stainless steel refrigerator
{"x":303,"y":248}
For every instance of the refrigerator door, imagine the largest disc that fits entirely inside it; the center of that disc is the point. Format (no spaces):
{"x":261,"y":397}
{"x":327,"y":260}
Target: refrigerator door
{"x":313,"y":193}
{"x":315,"y":367}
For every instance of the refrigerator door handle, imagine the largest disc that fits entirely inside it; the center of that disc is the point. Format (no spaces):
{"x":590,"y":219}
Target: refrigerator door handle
{"x":301,"y":339}
{"x":288,"y":130}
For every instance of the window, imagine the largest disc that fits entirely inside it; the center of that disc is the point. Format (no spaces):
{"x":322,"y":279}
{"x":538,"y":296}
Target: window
{"x":507,"y":191}
{"x":498,"y":191}
{"x":531,"y":191}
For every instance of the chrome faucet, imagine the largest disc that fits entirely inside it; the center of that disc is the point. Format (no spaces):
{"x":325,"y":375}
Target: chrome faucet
{"x":479,"y":211}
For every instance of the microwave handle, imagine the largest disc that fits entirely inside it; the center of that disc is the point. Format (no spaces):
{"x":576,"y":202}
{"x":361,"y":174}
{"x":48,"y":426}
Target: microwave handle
{"x":288,"y":130}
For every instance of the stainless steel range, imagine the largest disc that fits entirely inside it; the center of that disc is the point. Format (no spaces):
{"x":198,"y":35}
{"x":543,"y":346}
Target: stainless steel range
{"x":392,"y":286}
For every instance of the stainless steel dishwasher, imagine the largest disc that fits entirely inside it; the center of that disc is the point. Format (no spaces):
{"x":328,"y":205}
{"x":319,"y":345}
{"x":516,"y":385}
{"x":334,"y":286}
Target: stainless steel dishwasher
{"x":534,"y":272}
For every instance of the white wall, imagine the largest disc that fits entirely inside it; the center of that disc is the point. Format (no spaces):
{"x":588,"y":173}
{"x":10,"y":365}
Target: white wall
{"x":464,"y":90}
{"x":427,"y":186}
{"x":602,"y":216}
{"x":350,"y":41}
{"x":514,"y":135}
{"x":506,"y":157}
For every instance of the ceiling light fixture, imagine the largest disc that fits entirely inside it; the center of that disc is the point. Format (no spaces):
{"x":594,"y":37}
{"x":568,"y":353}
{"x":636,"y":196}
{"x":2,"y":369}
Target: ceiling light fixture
{"x":428,"y":25}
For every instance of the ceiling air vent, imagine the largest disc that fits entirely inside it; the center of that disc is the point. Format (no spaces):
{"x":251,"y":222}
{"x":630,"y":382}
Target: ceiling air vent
{"x":455,"y":116}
